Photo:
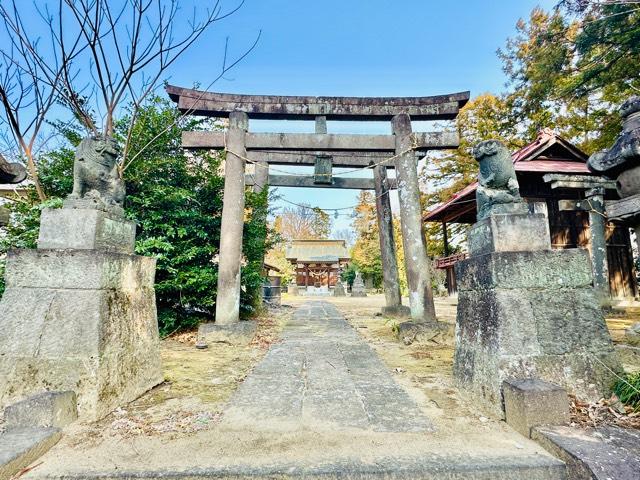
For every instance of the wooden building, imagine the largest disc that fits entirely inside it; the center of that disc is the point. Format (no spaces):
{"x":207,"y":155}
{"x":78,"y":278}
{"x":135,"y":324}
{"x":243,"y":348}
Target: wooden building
{"x":549,"y":154}
{"x":318,"y":262}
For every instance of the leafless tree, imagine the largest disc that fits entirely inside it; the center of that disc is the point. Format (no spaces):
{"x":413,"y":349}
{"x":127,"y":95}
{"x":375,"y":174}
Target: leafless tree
{"x":28,"y":89}
{"x":303,"y":222}
{"x":346,"y":234}
{"x":103,"y":55}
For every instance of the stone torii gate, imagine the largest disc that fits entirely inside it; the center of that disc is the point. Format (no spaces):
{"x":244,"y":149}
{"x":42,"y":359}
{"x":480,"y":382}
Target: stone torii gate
{"x":324,"y":151}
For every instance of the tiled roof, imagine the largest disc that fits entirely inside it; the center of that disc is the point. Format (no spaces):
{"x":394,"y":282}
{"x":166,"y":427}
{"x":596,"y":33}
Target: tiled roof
{"x":321,"y":251}
{"x":527,"y":159}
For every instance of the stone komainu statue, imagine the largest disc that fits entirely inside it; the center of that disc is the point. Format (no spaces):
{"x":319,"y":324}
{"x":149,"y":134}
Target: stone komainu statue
{"x":11,"y":172}
{"x":497,"y":183}
{"x":95,"y":172}
{"x":622,"y":161}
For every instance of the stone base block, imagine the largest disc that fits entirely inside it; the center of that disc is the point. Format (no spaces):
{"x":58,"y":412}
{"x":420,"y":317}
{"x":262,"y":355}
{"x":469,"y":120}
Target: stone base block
{"x":48,"y":409}
{"x":86,"y":229}
{"x":358,"y":293}
{"x":545,"y":269}
{"x":531,"y":324}
{"x":87,"y":203}
{"x":586,"y":375}
{"x":530,"y":403}
{"x":509,"y":233}
{"x":79,"y":270}
{"x":240,"y":333}
{"x":422,"y":332}
{"x":293,"y":290}
{"x":400,"y":311}
{"x":79,"y":320}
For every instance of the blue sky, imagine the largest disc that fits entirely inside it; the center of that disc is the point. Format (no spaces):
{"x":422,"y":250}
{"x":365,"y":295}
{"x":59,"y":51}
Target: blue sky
{"x":358,"y":48}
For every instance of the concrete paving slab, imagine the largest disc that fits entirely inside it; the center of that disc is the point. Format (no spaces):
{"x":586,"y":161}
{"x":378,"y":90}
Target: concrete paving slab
{"x":324,"y":374}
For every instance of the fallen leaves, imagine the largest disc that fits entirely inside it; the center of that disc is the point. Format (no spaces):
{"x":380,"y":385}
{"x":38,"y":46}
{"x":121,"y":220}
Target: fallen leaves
{"x":178,"y":422}
{"x":604,"y":412}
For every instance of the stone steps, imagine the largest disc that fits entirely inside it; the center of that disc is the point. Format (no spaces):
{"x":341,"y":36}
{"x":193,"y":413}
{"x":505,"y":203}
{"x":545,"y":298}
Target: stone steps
{"x":21,"y":447}
{"x":391,"y":468}
{"x":599,"y":453}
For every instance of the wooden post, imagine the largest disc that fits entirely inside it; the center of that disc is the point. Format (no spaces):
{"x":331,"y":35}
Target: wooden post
{"x":594,"y":205}
{"x":598,"y":229}
{"x":445,"y":239}
{"x":391,"y":279}
{"x":228,"y":297}
{"x":415,"y":251}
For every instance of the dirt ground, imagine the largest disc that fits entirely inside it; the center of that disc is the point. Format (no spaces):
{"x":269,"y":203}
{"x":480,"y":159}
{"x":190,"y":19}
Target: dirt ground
{"x":619,"y":319}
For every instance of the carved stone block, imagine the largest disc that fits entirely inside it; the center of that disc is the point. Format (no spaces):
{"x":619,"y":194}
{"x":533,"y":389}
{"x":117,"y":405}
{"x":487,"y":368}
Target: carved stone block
{"x":530,"y":403}
{"x":86,"y":229}
{"x":509,"y":233}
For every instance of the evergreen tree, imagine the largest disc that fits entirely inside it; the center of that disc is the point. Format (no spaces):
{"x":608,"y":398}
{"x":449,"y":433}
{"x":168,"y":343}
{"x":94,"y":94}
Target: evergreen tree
{"x":176,"y":200}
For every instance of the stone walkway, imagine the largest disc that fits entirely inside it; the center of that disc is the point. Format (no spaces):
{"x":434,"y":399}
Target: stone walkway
{"x":323,"y":376}
{"x":321,"y":405}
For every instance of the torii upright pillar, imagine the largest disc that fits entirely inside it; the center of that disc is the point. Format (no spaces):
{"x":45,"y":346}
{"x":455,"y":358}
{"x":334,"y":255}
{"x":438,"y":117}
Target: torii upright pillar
{"x":228,"y":297}
{"x":260,"y":177}
{"x":390,"y":275}
{"x":415,"y":250}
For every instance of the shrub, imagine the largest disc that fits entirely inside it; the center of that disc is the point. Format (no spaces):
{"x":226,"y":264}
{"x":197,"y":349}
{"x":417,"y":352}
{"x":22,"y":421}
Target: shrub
{"x":628,"y":390}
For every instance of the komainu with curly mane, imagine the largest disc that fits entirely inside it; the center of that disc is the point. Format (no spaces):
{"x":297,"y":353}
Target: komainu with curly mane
{"x":95,"y":172}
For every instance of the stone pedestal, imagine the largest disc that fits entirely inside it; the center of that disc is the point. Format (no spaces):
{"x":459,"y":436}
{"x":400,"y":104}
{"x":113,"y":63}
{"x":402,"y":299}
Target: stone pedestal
{"x":528,"y":313}
{"x":240,"y":333}
{"x":338,"y":290}
{"x":509,"y":233}
{"x":293,"y":289}
{"x":357,"y":289}
{"x":79,"y":314}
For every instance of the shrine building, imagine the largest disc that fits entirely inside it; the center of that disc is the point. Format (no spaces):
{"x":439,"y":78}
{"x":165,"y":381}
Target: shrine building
{"x":318,"y":262}
{"x":554,"y":179}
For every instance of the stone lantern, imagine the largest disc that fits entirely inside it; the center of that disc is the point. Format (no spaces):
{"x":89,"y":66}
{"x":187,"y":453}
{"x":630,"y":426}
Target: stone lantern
{"x":622,"y":163}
